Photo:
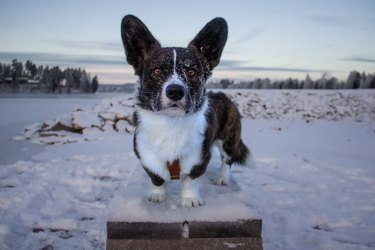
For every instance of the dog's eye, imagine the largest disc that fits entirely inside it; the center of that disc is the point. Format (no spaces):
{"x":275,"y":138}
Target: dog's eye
{"x":191,"y":72}
{"x":157,"y":72}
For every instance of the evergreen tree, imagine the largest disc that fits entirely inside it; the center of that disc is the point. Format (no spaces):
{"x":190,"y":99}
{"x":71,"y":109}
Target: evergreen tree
{"x":372,"y":84}
{"x":367,"y":81}
{"x":94,"y":84}
{"x":2,"y":76}
{"x":17,"y":68}
{"x":7,"y":71}
{"x":225,"y":83}
{"x":266,"y":83}
{"x":77,"y":77}
{"x":56,"y":79}
{"x":16,"y":72}
{"x":39,"y":73}
{"x":309,"y":83}
{"x":69,"y":84}
{"x":46,"y":78}
{"x":49,"y":79}
{"x":83,"y":82}
{"x":31,"y":69}
{"x":354,"y":80}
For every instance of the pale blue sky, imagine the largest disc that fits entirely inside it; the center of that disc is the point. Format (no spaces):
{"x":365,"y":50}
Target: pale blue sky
{"x":275,"y":39}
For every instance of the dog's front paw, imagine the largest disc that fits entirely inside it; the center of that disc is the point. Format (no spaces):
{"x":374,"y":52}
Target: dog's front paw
{"x":192,"y":201}
{"x":158,"y":194}
{"x":190,"y":196}
{"x":156,"y":197}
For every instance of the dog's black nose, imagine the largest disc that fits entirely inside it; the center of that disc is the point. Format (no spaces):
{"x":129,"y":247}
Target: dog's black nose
{"x":175,"y":92}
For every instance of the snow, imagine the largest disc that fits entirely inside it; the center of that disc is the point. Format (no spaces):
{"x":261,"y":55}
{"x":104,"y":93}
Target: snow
{"x":115,"y":114}
{"x":313,"y":186}
{"x":307,"y":105}
{"x":223,"y":203}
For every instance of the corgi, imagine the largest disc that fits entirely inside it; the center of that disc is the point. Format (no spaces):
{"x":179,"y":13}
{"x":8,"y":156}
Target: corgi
{"x":175,"y":117}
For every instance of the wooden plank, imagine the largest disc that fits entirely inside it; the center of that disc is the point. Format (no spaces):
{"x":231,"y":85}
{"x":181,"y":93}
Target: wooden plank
{"x":143,"y":230}
{"x":248,"y":243}
{"x":225,"y":229}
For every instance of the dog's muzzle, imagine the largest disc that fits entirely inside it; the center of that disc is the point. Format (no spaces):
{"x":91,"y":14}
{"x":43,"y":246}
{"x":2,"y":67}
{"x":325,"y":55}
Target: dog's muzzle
{"x":175,"y":92}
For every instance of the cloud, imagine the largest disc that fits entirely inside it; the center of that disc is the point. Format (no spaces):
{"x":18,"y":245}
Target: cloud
{"x":250,"y":35}
{"x":359,"y":59}
{"x":330,"y":20}
{"x":63,"y":59}
{"x":91,"y":45}
{"x":281,"y":69}
{"x":234,"y":65}
{"x":231,"y":63}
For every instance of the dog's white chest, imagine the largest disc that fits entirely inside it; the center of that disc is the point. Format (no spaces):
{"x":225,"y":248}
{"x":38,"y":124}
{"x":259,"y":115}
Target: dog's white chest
{"x":170,"y":137}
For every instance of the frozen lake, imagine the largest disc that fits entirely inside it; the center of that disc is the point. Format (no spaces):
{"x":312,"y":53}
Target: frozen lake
{"x":19,"y":110}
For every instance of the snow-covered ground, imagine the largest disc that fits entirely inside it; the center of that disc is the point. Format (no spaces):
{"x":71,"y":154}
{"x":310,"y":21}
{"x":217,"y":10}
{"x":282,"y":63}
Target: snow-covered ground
{"x":314,"y":185}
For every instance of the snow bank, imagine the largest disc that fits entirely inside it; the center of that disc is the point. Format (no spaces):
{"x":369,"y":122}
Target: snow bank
{"x":116,"y":114}
{"x":112,"y":115}
{"x":306,"y":105}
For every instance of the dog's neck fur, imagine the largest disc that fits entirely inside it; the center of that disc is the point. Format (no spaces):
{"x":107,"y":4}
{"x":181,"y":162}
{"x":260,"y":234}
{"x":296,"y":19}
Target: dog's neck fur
{"x":173,"y":137}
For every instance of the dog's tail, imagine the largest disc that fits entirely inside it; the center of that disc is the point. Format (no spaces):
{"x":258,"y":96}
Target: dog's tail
{"x":243,"y":156}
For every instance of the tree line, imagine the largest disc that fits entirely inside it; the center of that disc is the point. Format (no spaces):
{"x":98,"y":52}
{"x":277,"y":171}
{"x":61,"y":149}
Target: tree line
{"x":19,"y":77}
{"x":355,"y":80}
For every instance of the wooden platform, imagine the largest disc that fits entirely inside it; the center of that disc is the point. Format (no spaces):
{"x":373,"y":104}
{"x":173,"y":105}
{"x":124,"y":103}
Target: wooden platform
{"x":240,"y":234}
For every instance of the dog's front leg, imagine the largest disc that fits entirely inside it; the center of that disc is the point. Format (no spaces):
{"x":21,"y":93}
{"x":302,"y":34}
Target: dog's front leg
{"x":158,"y":192}
{"x":190,"y":195}
{"x":158,"y":172}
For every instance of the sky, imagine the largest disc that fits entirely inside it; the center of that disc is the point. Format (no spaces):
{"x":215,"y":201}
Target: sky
{"x":274,"y":39}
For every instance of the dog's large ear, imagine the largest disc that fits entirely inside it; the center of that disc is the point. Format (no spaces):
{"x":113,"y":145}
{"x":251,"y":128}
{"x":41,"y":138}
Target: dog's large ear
{"x":211,"y":40}
{"x":138,"y":42}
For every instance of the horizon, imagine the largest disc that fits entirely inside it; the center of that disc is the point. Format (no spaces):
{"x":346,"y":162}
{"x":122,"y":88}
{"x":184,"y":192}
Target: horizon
{"x":266,"y":40}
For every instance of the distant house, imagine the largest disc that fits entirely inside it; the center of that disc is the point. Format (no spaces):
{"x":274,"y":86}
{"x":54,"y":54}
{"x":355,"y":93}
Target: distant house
{"x":8,"y":80}
{"x":33,"y":82}
{"x":22,"y":80}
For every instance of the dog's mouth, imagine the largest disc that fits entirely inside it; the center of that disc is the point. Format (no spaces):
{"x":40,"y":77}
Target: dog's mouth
{"x":174,"y":108}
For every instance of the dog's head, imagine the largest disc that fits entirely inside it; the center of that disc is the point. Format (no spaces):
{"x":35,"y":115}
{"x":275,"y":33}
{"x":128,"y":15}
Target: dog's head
{"x":172,"y":80}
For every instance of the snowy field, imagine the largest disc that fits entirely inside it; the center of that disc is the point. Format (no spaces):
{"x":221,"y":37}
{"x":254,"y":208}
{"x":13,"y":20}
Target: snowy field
{"x":314,"y":185}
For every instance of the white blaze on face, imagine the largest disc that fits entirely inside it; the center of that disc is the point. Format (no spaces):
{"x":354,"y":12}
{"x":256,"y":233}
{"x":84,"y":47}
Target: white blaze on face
{"x":173,"y":79}
{"x":174,"y":61}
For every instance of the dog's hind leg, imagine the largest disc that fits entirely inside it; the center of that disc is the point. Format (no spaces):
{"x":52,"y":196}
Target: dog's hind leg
{"x":225,"y":172}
